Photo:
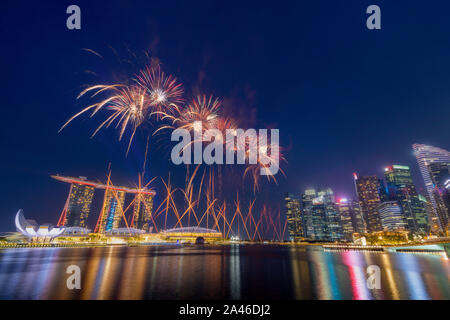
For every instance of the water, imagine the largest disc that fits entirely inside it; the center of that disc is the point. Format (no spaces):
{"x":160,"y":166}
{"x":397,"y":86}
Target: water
{"x":220,"y":272}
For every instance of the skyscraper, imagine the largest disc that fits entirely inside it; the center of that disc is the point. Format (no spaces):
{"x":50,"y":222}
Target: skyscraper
{"x":307,"y":214}
{"x":112,"y":210}
{"x":318,"y":228}
{"x":333,"y":226}
{"x":78,"y":205}
{"x":142,"y":211}
{"x":367,"y":189}
{"x":445,"y":196}
{"x":294,"y":217}
{"x":431,"y":161}
{"x":440,"y":174}
{"x":346,"y":218}
{"x":359,"y":225}
{"x":433,"y":224}
{"x":402,"y":189}
{"x":391,"y":216}
{"x":320,"y":215}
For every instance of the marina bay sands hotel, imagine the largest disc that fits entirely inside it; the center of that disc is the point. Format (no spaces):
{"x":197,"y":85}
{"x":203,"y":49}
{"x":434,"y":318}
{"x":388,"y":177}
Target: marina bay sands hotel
{"x":78,"y":205}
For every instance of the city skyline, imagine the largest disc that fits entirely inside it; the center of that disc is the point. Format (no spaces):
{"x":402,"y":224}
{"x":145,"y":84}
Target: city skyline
{"x":328,"y":131}
{"x":387,"y":204}
{"x":103,"y":216}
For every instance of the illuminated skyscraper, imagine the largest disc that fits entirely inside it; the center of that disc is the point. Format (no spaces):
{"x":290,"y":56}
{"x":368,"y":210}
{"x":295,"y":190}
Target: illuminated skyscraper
{"x":317,"y":230}
{"x":333,"y":227}
{"x":368,"y":191}
{"x":391,"y":216}
{"x":76,"y":209}
{"x":78,"y":205}
{"x":433,"y":224}
{"x":432,"y":162}
{"x":440,"y":176}
{"x":445,"y":196}
{"x":112,"y":210}
{"x":142,"y":211}
{"x":359,"y":225}
{"x":346,"y":218}
{"x":307,"y":212}
{"x":320,"y":215}
{"x":294,"y":218}
{"x":402,"y":189}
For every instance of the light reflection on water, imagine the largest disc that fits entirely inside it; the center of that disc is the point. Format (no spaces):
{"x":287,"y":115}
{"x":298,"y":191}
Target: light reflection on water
{"x":220,"y":272}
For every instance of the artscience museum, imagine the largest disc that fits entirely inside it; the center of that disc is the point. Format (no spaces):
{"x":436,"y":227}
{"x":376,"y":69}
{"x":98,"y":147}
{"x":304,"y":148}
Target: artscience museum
{"x":35,"y":232}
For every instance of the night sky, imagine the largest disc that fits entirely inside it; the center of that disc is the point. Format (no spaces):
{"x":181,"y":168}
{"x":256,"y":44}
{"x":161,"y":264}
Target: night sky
{"x":345,"y":98}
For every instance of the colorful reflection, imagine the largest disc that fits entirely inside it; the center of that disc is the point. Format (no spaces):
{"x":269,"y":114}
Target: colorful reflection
{"x":220,"y":272}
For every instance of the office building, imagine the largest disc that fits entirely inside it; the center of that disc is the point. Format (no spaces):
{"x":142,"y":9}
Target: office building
{"x":368,"y":192}
{"x":391,"y":216}
{"x":433,"y":163}
{"x":321,"y":216}
{"x":345,"y":212}
{"x":401,"y":188}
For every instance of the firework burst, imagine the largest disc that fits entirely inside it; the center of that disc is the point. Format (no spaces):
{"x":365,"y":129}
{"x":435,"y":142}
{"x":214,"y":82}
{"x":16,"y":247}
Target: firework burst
{"x":128,"y":103}
{"x":164,"y":92}
{"x":269,"y":155}
{"x":201,"y":110}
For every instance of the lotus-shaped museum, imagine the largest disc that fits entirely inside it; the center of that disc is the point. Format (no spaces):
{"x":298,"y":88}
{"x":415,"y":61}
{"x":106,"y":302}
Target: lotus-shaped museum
{"x":35,"y":232}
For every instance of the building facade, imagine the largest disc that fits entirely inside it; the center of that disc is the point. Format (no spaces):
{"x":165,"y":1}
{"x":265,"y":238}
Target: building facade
{"x":359,"y":225}
{"x":79,"y":205}
{"x":112,"y":210}
{"x":321,"y":218}
{"x":294,"y":217}
{"x":401,"y":188}
{"x":368,"y":192}
{"x":142,"y":211}
{"x":332,"y":217}
{"x":433,"y":162}
{"x":392,"y":216}
{"x":345,"y":212}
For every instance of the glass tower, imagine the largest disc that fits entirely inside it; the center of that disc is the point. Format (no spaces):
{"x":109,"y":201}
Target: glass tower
{"x":345,"y":211}
{"x":321,"y":216}
{"x":333,"y":226}
{"x":358,"y":222}
{"x":391,"y":216}
{"x":294,"y":217}
{"x":429,"y":158}
{"x":402,"y":189}
{"x":307,"y":212}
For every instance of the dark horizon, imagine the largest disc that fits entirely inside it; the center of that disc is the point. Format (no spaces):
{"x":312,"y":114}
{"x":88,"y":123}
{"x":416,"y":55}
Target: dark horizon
{"x":346,"y":99}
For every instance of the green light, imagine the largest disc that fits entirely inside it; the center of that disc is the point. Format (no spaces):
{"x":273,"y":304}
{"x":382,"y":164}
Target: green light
{"x":396,"y":166}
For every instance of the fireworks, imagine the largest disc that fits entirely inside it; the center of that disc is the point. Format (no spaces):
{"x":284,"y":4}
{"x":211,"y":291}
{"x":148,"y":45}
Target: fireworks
{"x":269,"y":157}
{"x":129,"y":106}
{"x":151,"y":92}
{"x":150,"y":96}
{"x":163,"y":91}
{"x":201,"y":111}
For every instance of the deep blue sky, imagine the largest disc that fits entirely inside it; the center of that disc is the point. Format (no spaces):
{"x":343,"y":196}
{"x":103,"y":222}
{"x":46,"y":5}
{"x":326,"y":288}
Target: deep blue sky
{"x":344,"y":98}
